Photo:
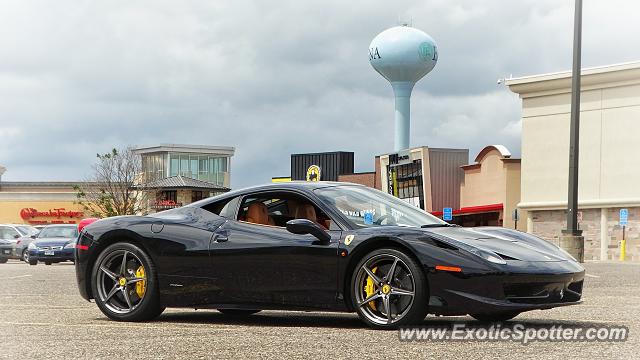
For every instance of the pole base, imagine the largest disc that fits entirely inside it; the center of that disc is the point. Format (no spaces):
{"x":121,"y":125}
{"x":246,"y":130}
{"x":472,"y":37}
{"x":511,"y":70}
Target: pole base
{"x":574,"y":245}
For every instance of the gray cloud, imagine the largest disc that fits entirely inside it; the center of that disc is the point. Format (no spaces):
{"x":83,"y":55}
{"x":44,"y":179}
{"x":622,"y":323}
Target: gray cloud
{"x":77,"y":78}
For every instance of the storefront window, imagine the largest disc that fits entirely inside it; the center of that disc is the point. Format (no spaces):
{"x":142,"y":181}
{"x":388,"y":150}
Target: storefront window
{"x":184,"y":165}
{"x":153,"y":166}
{"x":197,"y":166}
{"x":174,"y":166}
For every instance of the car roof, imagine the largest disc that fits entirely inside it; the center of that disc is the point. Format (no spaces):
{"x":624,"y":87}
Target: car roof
{"x":61,"y":225}
{"x":289,"y":185}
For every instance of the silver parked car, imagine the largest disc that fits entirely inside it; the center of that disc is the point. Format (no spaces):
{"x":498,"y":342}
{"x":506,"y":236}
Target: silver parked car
{"x":15,"y":236}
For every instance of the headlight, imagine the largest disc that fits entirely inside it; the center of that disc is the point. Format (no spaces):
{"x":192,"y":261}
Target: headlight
{"x":488,"y":255}
{"x":32,"y":246}
{"x":70,"y":245}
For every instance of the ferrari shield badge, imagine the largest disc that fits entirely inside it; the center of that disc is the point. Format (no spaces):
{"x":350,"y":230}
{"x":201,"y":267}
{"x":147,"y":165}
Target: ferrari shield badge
{"x":348,"y":239}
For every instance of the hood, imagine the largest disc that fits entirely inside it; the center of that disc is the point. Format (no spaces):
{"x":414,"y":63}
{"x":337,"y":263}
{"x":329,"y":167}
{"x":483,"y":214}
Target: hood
{"x":53,"y":241}
{"x":508,"y":244}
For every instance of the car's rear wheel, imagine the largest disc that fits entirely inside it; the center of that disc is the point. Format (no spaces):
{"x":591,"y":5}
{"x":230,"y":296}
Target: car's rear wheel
{"x":496,"y":317}
{"x":3,"y":260}
{"x":33,"y":261}
{"x":124,"y":284}
{"x":25,"y":255}
{"x":238,"y":312}
{"x":389,"y":289}
{"x":47,"y":263}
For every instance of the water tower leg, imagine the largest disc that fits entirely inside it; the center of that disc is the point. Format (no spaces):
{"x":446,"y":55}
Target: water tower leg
{"x":402,"y":93}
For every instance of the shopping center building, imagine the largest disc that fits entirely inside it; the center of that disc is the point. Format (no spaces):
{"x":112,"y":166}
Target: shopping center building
{"x":39,"y":203}
{"x":175,"y":175}
{"x":172,"y":176}
{"x":428,"y":178}
{"x":609,"y":170}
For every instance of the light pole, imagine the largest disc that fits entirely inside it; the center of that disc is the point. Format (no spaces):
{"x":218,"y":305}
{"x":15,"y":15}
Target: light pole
{"x":572,"y":239}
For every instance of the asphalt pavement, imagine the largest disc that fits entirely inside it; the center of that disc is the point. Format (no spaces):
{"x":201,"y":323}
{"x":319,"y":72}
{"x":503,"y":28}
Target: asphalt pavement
{"x":43,"y":316}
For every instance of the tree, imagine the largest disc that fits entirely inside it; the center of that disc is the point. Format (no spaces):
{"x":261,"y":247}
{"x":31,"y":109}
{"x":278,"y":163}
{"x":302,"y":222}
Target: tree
{"x":110,"y":191}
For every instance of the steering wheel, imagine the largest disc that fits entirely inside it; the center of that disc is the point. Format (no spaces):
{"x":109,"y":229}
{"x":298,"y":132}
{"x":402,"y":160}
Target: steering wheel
{"x":390,"y":220}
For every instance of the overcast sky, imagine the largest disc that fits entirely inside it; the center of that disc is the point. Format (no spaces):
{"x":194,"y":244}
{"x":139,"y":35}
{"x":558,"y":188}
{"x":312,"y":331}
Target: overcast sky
{"x":272,"y":77}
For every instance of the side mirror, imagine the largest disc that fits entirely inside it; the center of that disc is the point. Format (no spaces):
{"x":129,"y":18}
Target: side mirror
{"x":16,"y":236}
{"x":305,"y":226}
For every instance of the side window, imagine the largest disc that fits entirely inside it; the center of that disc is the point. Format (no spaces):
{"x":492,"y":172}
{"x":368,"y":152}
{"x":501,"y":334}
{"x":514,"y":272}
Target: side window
{"x":277,"y":208}
{"x":224,"y":208}
{"x":8,"y":233}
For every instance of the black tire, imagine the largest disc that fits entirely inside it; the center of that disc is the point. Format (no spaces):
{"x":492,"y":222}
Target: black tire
{"x":25,"y":255}
{"x":33,"y":261}
{"x":415,"y":311}
{"x":238,"y":312}
{"x":496,"y":317}
{"x":149,"y":306}
{"x":47,"y":263}
{"x":3,"y":260}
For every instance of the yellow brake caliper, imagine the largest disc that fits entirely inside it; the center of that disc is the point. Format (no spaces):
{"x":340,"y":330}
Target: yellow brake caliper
{"x":370,"y":289}
{"x":140,"y":285}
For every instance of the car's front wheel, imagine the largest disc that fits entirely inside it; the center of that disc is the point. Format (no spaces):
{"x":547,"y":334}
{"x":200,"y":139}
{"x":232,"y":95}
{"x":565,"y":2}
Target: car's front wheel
{"x":3,"y":260}
{"x":25,"y":255}
{"x":389,"y":289}
{"x":124,"y":284}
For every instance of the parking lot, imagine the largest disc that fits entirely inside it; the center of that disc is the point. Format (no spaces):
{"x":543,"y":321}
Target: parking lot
{"x":42,"y":316}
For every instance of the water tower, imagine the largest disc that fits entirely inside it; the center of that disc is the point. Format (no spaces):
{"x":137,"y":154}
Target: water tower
{"x":403,"y":55}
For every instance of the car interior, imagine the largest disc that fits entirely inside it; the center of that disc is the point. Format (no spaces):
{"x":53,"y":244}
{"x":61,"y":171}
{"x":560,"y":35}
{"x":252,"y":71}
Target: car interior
{"x":277,"y":209}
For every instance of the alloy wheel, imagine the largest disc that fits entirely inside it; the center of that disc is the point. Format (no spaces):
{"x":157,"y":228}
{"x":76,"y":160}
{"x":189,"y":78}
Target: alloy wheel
{"x":25,"y":255}
{"x":121,"y":281}
{"x":384,"y":289}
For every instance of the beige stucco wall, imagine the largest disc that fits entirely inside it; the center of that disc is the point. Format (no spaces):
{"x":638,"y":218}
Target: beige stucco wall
{"x":609,"y":155}
{"x":495,"y":181}
{"x":10,"y":211}
{"x":609,"y":138}
{"x":40,"y":196}
{"x":485,"y":185}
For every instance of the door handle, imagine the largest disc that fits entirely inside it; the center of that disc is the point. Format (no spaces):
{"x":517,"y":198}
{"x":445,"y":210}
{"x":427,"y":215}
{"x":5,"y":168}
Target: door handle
{"x":220,"y":238}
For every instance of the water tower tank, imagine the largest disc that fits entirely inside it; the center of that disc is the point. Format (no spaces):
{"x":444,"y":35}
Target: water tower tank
{"x":403,"y":55}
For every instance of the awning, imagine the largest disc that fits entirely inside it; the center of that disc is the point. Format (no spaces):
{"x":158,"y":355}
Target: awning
{"x":180,"y":182}
{"x":473,"y":210}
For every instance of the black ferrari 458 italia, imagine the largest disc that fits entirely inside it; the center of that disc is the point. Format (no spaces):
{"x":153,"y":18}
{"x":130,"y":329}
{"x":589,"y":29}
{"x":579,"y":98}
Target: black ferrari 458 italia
{"x":318,"y":246}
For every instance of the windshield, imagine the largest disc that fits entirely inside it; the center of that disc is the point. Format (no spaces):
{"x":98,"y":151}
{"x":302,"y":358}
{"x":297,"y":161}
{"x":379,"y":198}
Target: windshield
{"x":27,"y":230}
{"x":59,"y":232}
{"x":366,"y":207}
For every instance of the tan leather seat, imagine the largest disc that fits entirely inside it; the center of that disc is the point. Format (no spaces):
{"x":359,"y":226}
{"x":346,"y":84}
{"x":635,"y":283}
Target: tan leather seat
{"x":258,"y":214}
{"x":306,"y":211}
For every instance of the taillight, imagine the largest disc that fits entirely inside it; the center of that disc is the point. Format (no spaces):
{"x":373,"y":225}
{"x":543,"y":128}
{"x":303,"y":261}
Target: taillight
{"x":18,"y":242}
{"x":85,"y":222}
{"x":82,"y":247}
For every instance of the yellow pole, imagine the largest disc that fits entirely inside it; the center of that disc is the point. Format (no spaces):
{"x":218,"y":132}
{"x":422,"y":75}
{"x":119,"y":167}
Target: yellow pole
{"x":623,"y":245}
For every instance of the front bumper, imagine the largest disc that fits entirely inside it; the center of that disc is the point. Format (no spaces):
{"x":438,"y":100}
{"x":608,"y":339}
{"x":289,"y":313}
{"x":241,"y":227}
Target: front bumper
{"x":52,"y":255}
{"x":463,"y":293}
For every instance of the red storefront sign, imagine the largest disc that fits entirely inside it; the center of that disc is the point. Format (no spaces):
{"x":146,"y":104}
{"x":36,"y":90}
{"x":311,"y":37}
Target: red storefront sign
{"x":56,"y":215}
{"x":165,"y":204}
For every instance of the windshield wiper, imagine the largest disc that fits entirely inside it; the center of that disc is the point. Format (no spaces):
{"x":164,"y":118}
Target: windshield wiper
{"x":436,"y":225}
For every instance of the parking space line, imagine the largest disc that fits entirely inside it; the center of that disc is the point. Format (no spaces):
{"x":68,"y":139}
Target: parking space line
{"x":592,"y":276}
{"x":14,"y":277}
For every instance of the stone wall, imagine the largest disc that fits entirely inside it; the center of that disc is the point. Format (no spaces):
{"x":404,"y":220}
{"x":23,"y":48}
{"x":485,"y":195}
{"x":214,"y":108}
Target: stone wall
{"x":549,"y":224}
